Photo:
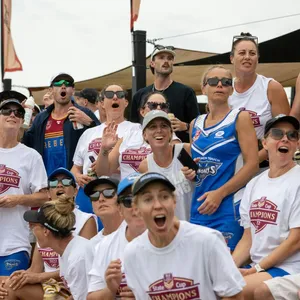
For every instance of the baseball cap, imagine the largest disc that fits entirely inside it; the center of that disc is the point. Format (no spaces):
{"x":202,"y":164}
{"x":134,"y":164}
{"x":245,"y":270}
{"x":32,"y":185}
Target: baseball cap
{"x":62,"y":76}
{"x":282,"y":118}
{"x":154,"y":114}
{"x":12,"y":97}
{"x":148,"y":178}
{"x":160,"y":49}
{"x":38,"y":216}
{"x":89,"y":188}
{"x":127,"y":182}
{"x":90,"y":94}
{"x":62,"y":171}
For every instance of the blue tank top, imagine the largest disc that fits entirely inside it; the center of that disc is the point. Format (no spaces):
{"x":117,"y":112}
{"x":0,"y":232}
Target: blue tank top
{"x":220,"y":159}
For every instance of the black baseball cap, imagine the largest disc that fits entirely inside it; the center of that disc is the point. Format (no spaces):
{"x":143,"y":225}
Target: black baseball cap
{"x":89,"y":188}
{"x":282,"y":118}
{"x":90,"y":94}
{"x":15,"y":97}
{"x":38,"y":216}
{"x":62,"y":76}
{"x":148,"y":178}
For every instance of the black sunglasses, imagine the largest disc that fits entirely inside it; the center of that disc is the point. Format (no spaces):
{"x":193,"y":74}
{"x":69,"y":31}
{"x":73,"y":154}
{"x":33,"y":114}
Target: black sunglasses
{"x":277,"y":134}
{"x":107,"y":193}
{"x":110,"y":94}
{"x":214,"y":81}
{"x":65,"y":182}
{"x":153,"y":105}
{"x":245,"y":37}
{"x":161,"y":47}
{"x":7,"y":112}
{"x":125,"y":200}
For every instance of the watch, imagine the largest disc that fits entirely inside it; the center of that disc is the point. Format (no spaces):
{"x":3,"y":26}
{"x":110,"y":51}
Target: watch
{"x":258,"y":268}
{"x":187,"y":126}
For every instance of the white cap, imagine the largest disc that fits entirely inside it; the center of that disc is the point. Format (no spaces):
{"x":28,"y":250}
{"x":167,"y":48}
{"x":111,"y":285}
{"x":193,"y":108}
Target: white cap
{"x":154,"y":114}
{"x":160,"y":49}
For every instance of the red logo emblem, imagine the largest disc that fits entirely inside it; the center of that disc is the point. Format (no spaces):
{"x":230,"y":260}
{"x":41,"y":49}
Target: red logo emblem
{"x":253,"y":115}
{"x":8,"y":178}
{"x":174,"y":288}
{"x":95,"y":145}
{"x":262,"y":213}
{"x":133,"y":157}
{"x":50,"y":257}
{"x":197,"y":134}
{"x":49,"y":123}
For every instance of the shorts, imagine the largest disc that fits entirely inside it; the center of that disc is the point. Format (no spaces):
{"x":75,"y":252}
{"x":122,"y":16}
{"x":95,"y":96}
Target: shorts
{"x":284,"y":288}
{"x":274,"y":272}
{"x":14,"y":262}
{"x":231,"y":230}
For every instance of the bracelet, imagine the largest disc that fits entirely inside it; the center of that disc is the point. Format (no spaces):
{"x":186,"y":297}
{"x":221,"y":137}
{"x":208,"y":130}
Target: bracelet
{"x":187,"y":126}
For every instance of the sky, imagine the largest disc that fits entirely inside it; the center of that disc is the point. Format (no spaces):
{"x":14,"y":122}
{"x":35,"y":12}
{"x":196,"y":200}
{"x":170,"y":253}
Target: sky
{"x":91,"y":38}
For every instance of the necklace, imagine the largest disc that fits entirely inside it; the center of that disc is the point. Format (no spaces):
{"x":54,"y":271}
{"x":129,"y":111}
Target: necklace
{"x":161,"y":91}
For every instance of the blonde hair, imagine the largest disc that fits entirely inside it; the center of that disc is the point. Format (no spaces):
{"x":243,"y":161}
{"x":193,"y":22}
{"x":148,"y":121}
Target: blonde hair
{"x":204,"y":77}
{"x":59,"y":213}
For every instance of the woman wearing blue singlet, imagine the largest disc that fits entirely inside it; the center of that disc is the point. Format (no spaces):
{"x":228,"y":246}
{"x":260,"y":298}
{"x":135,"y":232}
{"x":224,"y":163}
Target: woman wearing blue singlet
{"x":223,"y":143}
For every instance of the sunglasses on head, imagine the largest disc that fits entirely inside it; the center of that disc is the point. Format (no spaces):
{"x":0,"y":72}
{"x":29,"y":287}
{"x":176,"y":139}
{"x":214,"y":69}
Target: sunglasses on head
{"x":61,"y":82}
{"x":110,"y":94}
{"x":245,"y":37}
{"x":107,"y":193}
{"x":161,"y":47}
{"x":7,"y":112}
{"x":214,"y":81}
{"x":125,"y":200}
{"x":153,"y":105}
{"x":65,"y":182}
{"x":278,"y":134}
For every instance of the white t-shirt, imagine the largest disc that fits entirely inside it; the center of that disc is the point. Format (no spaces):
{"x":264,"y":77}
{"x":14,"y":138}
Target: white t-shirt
{"x":133,"y":150}
{"x":89,"y":143}
{"x":195,"y":265}
{"x":50,"y":257}
{"x":97,"y":114}
{"x":271,"y":207}
{"x":110,"y":248}
{"x":255,"y":101}
{"x":75,"y":263}
{"x":22,"y":172}
{"x":184,"y":187}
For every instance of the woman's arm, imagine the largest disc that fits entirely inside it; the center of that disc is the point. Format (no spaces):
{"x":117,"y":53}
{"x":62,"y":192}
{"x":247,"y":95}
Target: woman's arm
{"x":278,"y":99}
{"x":89,"y":229}
{"x":295,"y":111}
{"x":37,"y":264}
{"x":143,"y":167}
{"x":108,"y":163}
{"x":241,"y":252}
{"x":81,"y":179}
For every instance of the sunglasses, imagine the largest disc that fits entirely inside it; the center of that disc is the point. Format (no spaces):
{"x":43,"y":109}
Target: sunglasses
{"x":161,"y":47}
{"x":245,"y":37}
{"x":61,"y":82}
{"x":7,"y":112}
{"x":110,"y":94}
{"x":277,"y":134}
{"x":107,"y":193}
{"x":214,"y":81}
{"x":154,"y":105}
{"x":125,"y":200}
{"x":65,"y":182}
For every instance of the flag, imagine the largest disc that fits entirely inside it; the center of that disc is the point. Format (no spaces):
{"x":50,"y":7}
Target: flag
{"x":10,"y":61}
{"x":134,"y":11}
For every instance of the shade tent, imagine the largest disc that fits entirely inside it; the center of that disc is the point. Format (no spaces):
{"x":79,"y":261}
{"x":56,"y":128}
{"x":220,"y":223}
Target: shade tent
{"x":279,"y":59}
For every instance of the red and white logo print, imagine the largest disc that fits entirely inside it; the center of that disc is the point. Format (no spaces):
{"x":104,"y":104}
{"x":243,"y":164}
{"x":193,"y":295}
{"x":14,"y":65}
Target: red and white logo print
{"x":263,"y":212}
{"x":134,"y":157}
{"x":174,"y":288}
{"x":9,"y":178}
{"x":197,"y":134}
{"x":254,"y":116}
{"x":95,"y":145}
{"x":49,"y":257}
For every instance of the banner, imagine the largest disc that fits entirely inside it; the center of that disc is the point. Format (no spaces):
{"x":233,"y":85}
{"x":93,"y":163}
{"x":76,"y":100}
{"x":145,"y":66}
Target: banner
{"x":134,"y":8}
{"x":10,"y":60}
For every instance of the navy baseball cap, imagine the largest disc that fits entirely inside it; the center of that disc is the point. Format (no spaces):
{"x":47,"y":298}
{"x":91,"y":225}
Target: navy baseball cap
{"x":282,"y":118}
{"x":89,"y":188}
{"x":62,"y":171}
{"x":127,"y":182}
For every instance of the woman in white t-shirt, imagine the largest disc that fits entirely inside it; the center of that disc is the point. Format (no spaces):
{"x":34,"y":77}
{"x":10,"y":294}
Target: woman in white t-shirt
{"x":130,"y":150}
{"x":157,"y":132}
{"x":270,"y":210}
{"x":262,"y":97}
{"x":107,"y":279}
{"x":175,"y":259}
{"x":114,"y":102}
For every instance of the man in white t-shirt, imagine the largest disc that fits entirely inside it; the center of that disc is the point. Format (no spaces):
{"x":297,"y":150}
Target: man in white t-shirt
{"x":23,"y":183}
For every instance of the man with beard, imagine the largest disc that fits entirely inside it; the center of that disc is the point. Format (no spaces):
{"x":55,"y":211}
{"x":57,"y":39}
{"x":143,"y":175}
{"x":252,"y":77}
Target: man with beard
{"x":182,"y":99}
{"x":56,"y":131}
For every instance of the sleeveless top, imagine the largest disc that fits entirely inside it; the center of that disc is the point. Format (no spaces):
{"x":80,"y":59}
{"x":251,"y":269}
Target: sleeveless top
{"x":255,"y":101}
{"x":184,"y":187}
{"x":220,"y":159}
{"x":50,"y":257}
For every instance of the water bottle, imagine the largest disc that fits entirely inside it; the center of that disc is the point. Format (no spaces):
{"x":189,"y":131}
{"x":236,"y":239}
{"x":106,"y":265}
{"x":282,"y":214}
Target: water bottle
{"x":28,"y":112}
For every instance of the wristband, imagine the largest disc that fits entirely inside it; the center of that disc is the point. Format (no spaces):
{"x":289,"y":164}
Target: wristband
{"x":187,"y":126}
{"x":258,"y":268}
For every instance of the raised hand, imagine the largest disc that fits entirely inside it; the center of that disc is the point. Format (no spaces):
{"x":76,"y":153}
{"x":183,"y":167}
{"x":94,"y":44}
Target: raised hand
{"x":109,"y":136}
